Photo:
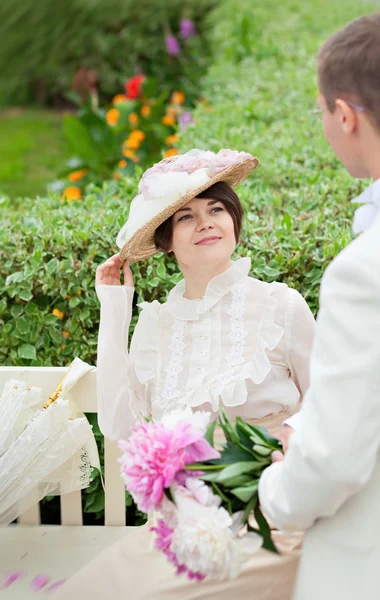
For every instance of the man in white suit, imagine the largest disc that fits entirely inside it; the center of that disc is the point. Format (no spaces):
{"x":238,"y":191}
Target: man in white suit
{"x":328,"y":483}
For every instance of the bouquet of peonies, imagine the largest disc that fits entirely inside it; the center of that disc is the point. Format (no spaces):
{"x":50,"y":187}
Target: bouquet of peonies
{"x":203,"y":497}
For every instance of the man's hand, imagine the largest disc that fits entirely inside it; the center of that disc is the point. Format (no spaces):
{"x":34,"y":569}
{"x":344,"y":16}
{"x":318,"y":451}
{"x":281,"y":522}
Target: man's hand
{"x":283,"y":435}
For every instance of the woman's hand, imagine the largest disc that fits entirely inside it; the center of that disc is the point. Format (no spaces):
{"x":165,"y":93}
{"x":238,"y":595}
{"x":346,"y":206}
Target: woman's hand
{"x":283,"y":435}
{"x":109,"y":272}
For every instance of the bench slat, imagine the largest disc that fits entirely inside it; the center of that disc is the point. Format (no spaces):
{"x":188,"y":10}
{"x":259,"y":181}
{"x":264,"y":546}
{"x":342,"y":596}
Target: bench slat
{"x":71,"y":509}
{"x":115,"y":489}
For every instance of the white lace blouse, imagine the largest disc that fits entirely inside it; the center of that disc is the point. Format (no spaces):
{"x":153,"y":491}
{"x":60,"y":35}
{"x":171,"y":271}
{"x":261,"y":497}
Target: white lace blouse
{"x":245,"y":345}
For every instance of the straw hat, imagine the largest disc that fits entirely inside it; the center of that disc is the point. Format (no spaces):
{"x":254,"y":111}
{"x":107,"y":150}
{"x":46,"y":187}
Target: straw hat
{"x":168,"y":186}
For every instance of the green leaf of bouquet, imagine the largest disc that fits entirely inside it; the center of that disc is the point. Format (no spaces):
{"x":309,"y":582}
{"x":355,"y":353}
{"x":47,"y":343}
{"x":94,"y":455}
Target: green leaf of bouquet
{"x":238,"y":468}
{"x":236,"y":481}
{"x":228,"y":428}
{"x":264,"y":530}
{"x":246,"y":492}
{"x":260,"y":434}
{"x":209,"y":436}
{"x":249,"y":508}
{"x":232,"y":454}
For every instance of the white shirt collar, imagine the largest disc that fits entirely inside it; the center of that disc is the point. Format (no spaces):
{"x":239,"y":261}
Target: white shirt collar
{"x":183,"y":308}
{"x":365,"y":215}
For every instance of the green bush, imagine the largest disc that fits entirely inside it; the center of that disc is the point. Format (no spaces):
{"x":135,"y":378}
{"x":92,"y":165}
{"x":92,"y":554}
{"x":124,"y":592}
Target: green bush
{"x":44,"y":43}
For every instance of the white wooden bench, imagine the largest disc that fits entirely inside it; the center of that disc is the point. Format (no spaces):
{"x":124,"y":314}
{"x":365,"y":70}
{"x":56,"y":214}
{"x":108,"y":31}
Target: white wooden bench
{"x":61,"y":550}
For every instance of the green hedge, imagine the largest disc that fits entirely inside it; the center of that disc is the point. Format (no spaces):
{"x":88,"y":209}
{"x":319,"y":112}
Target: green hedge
{"x":44,"y":43}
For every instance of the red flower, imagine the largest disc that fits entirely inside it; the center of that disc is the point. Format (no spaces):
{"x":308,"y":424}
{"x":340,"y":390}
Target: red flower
{"x":133,"y":87}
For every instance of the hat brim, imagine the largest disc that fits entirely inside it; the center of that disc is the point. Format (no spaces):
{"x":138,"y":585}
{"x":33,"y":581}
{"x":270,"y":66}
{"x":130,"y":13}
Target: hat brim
{"x":141,"y":245}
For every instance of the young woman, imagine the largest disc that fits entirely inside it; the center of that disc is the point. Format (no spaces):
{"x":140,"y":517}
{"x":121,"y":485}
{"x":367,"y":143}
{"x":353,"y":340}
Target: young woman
{"x":222,"y":338}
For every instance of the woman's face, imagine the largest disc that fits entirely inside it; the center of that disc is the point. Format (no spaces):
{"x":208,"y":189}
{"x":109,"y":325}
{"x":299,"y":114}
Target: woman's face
{"x":203,"y":232}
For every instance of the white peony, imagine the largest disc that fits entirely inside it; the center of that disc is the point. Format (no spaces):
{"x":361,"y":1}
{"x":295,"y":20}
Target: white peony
{"x":198,"y":420}
{"x":203,"y":538}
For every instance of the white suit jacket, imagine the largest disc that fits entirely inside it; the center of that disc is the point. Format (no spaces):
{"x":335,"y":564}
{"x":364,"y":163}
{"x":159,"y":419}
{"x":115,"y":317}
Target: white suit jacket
{"x":329,"y":482}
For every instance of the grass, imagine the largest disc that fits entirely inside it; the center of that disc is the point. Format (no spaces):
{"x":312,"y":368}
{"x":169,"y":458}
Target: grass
{"x":32,"y":150}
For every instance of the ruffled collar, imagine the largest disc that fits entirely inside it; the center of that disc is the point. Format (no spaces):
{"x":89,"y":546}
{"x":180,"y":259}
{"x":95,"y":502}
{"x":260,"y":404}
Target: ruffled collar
{"x":365,"y":215}
{"x":190,"y":310}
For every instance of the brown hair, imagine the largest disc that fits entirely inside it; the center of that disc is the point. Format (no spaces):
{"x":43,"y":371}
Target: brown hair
{"x":349,"y":65}
{"x":219,"y":191}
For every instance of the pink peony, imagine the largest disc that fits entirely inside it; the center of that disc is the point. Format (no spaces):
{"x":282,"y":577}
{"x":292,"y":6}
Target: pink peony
{"x":156,"y":453}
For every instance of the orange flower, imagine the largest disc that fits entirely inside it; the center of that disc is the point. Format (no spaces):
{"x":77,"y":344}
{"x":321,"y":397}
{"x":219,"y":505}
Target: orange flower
{"x":112,"y":116}
{"x":134,"y":140}
{"x":130,"y":154}
{"x":63,"y":347}
{"x":137,"y":134}
{"x":133,"y":118}
{"x":71,"y":193}
{"x":178,"y":97}
{"x":79,"y":292}
{"x":77,"y":175}
{"x":116,"y":175}
{"x":167,"y":120}
{"x":145,"y":110}
{"x":65,"y":334}
{"x":122,"y":164}
{"x":171,"y":152}
{"x":58,"y":313}
{"x":119,"y":98}
{"x":172,"y":139}
{"x":171,"y":111}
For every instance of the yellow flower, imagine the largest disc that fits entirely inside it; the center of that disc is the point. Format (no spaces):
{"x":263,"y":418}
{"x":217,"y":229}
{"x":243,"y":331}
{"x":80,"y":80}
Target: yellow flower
{"x":133,"y":118}
{"x":58,"y":313}
{"x":77,"y":175}
{"x":130,"y":154}
{"x":122,"y":164}
{"x":65,"y":334}
{"x":119,"y":98}
{"x":145,"y":110}
{"x":71,"y":193}
{"x":167,"y":120}
{"x":178,"y":97}
{"x":171,"y":152}
{"x":172,"y":139}
{"x":112,"y":116}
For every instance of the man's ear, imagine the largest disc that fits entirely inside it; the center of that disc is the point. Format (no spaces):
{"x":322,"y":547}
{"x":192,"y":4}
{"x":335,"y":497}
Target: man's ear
{"x":348,"y":116}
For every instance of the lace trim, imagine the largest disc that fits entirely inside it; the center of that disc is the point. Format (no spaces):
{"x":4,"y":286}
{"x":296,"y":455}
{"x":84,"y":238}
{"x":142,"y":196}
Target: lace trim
{"x":177,"y":346}
{"x":238,"y":335}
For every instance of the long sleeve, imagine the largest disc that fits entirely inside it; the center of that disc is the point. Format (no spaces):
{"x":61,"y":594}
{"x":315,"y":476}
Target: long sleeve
{"x":333,"y":453}
{"x":120,"y":395}
{"x":300,"y":329}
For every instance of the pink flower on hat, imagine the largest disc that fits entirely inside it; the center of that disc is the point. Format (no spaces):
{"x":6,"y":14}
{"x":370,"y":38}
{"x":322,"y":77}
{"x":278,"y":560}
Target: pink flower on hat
{"x":197,"y":159}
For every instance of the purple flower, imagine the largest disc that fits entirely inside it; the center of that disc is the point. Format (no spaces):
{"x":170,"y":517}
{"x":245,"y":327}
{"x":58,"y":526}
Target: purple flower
{"x":172,"y":45}
{"x":188,"y":29}
{"x":185,"y":120}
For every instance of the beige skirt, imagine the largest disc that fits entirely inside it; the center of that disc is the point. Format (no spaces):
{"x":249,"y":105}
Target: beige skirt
{"x":131,"y":569}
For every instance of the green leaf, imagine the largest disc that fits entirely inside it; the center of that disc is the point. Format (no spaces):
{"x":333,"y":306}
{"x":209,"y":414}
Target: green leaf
{"x":249,"y":508}
{"x":25,"y":294}
{"x":27,"y":351}
{"x":228,"y":428}
{"x":14,"y":278}
{"x":209,"y":435}
{"x":245,"y":493}
{"x":264,"y":530}
{"x":236,"y":481}
{"x":237,"y":469}
{"x":260,"y":434}
{"x":52,"y":266}
{"x":17,"y":310}
{"x":231,"y":454}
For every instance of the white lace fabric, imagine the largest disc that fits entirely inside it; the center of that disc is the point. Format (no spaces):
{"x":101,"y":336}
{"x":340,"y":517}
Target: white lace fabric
{"x":245,"y":345}
{"x":42,"y":451}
